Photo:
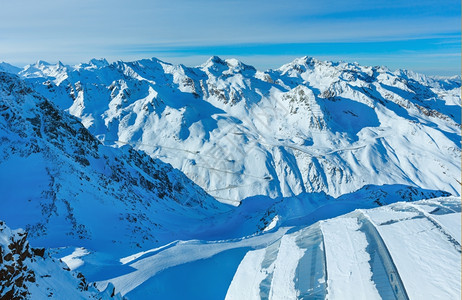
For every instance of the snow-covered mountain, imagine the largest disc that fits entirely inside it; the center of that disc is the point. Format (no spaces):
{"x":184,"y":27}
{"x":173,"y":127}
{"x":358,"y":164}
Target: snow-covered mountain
{"x":298,"y":145}
{"x":309,"y":126}
{"x":64,"y":187}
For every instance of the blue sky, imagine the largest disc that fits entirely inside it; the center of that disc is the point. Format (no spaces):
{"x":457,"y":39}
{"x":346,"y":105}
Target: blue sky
{"x":420,"y":35}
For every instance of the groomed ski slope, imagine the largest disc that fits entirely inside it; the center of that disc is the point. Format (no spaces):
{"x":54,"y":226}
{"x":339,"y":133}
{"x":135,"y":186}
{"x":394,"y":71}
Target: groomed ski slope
{"x":417,"y":249}
{"x":400,"y":251}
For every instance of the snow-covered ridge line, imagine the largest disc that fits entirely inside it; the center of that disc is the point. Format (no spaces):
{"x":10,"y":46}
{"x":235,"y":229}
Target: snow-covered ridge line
{"x":102,"y":62}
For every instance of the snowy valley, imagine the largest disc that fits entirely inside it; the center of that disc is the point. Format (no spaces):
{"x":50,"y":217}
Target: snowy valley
{"x":317,"y":180}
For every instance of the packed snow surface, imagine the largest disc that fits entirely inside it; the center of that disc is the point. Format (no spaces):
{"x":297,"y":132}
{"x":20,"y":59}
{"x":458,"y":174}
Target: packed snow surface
{"x":390,"y":252}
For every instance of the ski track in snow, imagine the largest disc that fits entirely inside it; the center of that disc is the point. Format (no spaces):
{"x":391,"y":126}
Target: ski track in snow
{"x":412,"y":257}
{"x":246,"y":285}
{"x":350,"y":276}
{"x":283,"y":281}
{"x":424,"y":258}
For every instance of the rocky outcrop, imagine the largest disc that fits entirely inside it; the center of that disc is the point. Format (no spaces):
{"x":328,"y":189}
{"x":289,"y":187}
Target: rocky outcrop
{"x":31,"y":273}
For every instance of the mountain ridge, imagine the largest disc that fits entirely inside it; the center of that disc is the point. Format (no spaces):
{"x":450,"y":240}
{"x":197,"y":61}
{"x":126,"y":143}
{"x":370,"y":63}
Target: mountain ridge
{"x":240,"y":132}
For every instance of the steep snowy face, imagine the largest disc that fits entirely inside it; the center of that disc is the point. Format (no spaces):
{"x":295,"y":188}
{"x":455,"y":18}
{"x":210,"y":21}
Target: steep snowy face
{"x":64,"y":187}
{"x":31,"y":273}
{"x":308,"y":126}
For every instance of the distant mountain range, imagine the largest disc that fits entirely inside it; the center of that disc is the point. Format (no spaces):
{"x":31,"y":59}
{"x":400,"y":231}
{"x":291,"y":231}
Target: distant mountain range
{"x":308,"y":126}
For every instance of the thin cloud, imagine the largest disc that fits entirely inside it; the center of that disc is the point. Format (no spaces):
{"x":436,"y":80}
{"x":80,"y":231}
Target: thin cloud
{"x":77,"y":30}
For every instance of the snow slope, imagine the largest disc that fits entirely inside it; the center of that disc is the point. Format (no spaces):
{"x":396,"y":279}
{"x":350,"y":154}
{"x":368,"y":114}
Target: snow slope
{"x":309,"y":126}
{"x":405,"y":250}
{"x":392,"y":252}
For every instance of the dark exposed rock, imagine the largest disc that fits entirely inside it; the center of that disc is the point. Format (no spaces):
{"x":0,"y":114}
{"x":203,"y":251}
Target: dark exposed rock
{"x":38,"y":251}
{"x":18,"y":267}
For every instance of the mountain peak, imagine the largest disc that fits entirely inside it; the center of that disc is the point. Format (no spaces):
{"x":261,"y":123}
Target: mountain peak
{"x":98,"y":62}
{"x":343,"y":99}
{"x":237,"y":65}
{"x":233,"y":62}
{"x":300,"y":64}
{"x":305,"y":60}
{"x":214,"y":60}
{"x":42,"y":63}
